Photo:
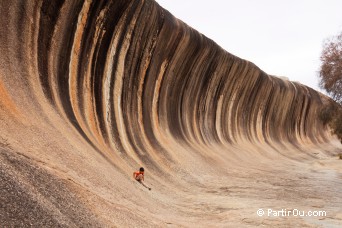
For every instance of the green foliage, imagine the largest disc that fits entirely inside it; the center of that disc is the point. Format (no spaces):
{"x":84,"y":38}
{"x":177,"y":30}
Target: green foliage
{"x":337,"y":125}
{"x":326,"y":114}
{"x":331,"y":114}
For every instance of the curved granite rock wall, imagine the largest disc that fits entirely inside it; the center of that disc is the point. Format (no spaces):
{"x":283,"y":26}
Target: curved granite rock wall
{"x":132,"y":80}
{"x":128,"y":76}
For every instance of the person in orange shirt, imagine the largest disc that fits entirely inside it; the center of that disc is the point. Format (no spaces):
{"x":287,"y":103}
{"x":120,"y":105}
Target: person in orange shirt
{"x":139,"y":176}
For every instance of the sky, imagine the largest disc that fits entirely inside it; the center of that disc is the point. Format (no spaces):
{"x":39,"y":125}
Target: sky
{"x":282,"y":37}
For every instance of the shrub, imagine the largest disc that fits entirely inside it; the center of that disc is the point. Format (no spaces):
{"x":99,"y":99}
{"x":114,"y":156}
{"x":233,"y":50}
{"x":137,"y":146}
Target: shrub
{"x":331,"y":115}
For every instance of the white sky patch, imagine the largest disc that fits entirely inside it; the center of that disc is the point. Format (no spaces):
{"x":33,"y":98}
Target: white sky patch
{"x":283,"y":38}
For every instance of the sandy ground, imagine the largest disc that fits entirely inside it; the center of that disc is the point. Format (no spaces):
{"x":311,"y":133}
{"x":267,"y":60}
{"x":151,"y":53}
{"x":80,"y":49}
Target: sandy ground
{"x":38,"y":193}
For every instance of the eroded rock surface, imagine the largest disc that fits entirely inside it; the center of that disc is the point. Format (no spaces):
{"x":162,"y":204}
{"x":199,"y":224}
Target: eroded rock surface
{"x":92,"y":90}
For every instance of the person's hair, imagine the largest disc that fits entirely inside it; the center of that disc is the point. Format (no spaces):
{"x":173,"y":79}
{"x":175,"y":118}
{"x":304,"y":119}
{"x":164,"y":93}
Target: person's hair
{"x":141,"y":169}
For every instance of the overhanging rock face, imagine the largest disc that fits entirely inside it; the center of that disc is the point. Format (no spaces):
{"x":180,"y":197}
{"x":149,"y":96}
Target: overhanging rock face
{"x":124,"y":83}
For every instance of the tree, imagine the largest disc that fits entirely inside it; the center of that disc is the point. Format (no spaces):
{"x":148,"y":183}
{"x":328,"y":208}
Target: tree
{"x":331,"y":115}
{"x":331,"y":69}
{"x":331,"y":80}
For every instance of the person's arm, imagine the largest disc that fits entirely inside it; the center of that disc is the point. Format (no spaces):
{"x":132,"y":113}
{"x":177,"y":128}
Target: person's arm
{"x":134,"y":175}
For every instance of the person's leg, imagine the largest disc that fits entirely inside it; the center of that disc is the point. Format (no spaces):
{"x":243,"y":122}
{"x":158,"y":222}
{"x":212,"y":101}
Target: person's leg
{"x":140,"y":179}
